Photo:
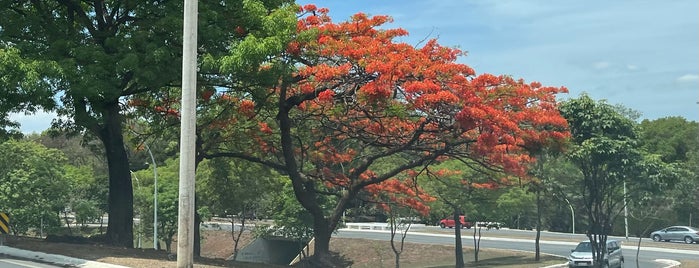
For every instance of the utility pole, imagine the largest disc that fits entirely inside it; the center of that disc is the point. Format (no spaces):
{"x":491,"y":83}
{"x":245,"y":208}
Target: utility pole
{"x":185,"y":223}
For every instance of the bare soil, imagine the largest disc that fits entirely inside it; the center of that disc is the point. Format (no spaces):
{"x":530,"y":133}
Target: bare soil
{"x":217,"y":246}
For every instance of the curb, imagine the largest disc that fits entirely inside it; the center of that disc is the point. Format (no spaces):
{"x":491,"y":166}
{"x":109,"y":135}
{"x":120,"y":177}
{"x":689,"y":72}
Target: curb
{"x":55,"y":259}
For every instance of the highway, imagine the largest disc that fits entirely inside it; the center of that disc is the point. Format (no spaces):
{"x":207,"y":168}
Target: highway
{"x":554,"y":243}
{"x":558,"y":244}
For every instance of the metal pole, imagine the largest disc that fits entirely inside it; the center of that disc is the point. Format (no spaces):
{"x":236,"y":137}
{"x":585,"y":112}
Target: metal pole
{"x":626,"y":214}
{"x":155,"y":198}
{"x":140,"y":215}
{"x":185,"y":233}
{"x":572,"y":213}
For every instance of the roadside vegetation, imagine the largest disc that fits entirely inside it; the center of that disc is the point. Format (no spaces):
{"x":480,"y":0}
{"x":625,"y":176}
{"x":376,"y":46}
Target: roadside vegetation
{"x":311,"y":123}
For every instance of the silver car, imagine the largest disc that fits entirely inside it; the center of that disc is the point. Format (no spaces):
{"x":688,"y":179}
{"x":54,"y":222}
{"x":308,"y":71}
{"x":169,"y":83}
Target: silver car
{"x":581,"y":256}
{"x":687,"y":234}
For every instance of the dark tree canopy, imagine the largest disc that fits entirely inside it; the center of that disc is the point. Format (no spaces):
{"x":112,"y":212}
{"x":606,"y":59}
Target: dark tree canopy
{"x":106,"y":51}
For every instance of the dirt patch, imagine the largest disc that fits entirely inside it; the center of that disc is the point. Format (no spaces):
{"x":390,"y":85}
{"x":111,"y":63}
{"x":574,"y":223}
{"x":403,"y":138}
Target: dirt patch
{"x":218,"y":245}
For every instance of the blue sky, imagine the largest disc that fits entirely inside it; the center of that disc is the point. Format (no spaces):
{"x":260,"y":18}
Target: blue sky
{"x":641,"y":54}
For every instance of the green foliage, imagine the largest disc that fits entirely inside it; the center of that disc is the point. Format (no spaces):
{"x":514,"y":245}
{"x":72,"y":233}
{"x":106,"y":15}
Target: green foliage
{"x":457,"y":187}
{"x":33,"y":186}
{"x":517,"y":203}
{"x":168,"y":197}
{"x":605,"y":149}
{"x":27,"y":86}
{"x":291,"y":219}
{"x":86,"y":211}
{"x":673,"y":143}
{"x":234,"y":187}
{"x":269,"y":33}
{"x":672,"y":137}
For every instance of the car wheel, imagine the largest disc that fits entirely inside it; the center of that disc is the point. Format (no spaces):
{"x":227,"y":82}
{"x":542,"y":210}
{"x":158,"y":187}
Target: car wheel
{"x":657,"y":238}
{"x":442,"y":225}
{"x":688,"y":239}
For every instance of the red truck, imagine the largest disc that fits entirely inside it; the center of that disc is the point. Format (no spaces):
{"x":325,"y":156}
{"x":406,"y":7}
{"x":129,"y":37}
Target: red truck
{"x":449,"y":222}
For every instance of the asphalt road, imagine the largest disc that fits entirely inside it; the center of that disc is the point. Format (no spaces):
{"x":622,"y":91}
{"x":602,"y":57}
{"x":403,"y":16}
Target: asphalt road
{"x":551,"y":243}
{"x":554,"y":243}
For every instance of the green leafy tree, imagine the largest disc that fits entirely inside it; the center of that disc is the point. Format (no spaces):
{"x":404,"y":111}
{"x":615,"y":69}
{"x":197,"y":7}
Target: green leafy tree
{"x":87,"y":199}
{"x":86,"y":173}
{"x":234,"y":188}
{"x":32,"y":185}
{"x":168,"y":197}
{"x":605,"y":149}
{"x":516,"y":204}
{"x":250,"y":31}
{"x":673,"y":138}
{"x":108,"y":51}
{"x":675,"y":141}
{"x":27,"y":86}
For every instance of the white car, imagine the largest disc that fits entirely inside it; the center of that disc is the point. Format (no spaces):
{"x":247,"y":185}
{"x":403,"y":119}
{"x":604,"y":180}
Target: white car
{"x":676,"y":233}
{"x":581,"y":256}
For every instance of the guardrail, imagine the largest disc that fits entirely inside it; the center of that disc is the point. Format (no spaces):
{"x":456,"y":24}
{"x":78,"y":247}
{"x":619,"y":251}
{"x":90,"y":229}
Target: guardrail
{"x":384,"y":226}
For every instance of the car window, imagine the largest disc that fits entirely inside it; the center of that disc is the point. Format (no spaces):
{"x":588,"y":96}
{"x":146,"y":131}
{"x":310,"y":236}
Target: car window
{"x":614,"y":245}
{"x":583,"y":247}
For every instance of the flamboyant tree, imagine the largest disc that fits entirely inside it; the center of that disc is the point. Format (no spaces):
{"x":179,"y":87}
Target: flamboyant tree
{"x":342,"y":108}
{"x":347,"y":98}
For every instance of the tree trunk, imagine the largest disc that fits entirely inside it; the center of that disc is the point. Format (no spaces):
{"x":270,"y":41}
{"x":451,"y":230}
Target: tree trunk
{"x":322,"y":234}
{"x":458,"y":249}
{"x":197,"y":234}
{"x":120,"y":200}
{"x":476,"y":243}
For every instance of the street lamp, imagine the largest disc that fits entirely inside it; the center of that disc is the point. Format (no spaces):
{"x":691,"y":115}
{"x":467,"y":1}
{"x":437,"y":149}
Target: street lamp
{"x":572,"y":213}
{"x":140,"y":214}
{"x":155,"y":198}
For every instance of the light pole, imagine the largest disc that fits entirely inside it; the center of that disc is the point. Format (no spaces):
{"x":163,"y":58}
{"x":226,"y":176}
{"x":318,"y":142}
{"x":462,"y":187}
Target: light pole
{"x":155,"y":198}
{"x":572,"y":213}
{"x":626,"y":214}
{"x":140,"y":220}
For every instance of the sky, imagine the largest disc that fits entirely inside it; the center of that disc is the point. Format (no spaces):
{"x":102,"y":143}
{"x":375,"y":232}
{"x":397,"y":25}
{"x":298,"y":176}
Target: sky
{"x":641,"y":54}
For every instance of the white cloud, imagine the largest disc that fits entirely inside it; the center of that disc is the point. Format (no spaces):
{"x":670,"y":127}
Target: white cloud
{"x":688,"y":78}
{"x":601,"y":65}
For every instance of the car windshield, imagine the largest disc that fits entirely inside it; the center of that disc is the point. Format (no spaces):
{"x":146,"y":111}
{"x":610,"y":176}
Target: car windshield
{"x":584,"y":247}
